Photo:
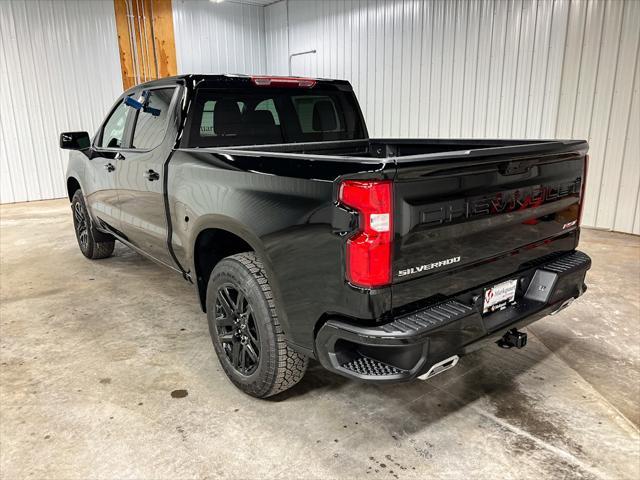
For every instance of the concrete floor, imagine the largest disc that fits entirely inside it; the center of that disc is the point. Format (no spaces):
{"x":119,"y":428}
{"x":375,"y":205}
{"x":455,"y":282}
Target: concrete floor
{"x":91,"y":351}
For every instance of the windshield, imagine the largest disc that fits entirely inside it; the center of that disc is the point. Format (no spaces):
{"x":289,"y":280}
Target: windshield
{"x":225,"y":118}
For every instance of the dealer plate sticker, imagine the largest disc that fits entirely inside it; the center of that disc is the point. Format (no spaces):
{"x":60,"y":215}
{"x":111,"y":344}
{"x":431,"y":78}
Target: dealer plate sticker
{"x":498,"y":296}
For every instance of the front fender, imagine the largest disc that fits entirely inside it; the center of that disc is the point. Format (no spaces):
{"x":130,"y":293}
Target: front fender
{"x":75,"y":170}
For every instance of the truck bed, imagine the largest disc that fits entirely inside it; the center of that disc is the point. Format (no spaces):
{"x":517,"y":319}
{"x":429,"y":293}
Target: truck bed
{"x":409,"y":149}
{"x":464,"y":210}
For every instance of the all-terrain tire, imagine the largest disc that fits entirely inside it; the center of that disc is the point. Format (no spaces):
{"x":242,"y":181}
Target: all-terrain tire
{"x":93,"y":243}
{"x":278,"y":367}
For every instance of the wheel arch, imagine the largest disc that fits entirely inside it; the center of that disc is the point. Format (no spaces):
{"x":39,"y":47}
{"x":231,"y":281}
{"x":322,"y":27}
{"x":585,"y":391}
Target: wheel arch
{"x":219,"y":237}
{"x":212,"y":245}
{"x":72,"y":186}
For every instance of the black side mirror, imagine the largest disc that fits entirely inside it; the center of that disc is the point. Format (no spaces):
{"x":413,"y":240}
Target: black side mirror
{"x":75,"y":140}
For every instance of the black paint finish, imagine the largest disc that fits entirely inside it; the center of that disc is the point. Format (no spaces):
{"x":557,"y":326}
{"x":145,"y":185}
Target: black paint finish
{"x":453,"y":198}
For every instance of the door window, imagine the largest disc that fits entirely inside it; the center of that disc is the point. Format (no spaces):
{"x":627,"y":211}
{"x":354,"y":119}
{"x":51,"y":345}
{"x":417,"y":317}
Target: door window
{"x":151,"y":121}
{"x":113,"y":131}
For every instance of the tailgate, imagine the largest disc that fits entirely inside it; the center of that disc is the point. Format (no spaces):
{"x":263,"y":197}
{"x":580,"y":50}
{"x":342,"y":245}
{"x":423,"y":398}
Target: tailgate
{"x":462,"y":221}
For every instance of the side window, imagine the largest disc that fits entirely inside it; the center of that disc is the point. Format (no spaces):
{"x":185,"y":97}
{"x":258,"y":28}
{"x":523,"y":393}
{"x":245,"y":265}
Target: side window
{"x":151,"y":122}
{"x":317,"y":114}
{"x":114,"y":128}
{"x":269,"y":106}
{"x":207,"y":124}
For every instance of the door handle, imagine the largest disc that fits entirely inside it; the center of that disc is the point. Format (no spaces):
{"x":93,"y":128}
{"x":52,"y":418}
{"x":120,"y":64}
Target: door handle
{"x":151,"y":175}
{"x":109,"y":167}
{"x":119,"y":156}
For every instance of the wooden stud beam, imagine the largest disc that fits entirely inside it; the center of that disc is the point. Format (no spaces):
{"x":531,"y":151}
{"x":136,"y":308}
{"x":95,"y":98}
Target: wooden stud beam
{"x":149,"y":50}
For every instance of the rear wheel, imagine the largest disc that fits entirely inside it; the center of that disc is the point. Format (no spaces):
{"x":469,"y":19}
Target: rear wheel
{"x":93,"y":244}
{"x":245,"y":329}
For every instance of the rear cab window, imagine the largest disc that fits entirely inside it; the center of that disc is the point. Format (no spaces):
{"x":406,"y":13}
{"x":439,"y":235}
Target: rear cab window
{"x":206,"y":124}
{"x":255,"y":116}
{"x":317,"y":114}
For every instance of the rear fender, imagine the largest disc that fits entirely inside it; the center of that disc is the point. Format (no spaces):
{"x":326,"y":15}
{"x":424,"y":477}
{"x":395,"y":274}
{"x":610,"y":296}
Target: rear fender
{"x":221,"y":222}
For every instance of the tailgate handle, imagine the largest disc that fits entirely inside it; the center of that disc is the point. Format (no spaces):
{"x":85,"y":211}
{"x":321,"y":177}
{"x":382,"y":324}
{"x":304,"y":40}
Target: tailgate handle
{"x":515,"y":168}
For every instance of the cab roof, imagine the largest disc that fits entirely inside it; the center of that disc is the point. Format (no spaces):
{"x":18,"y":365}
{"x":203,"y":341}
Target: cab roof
{"x":241,"y":80}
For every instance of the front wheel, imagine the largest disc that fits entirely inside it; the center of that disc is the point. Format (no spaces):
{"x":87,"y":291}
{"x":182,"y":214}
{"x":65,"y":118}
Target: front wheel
{"x":245,"y":330}
{"x":93,"y":244}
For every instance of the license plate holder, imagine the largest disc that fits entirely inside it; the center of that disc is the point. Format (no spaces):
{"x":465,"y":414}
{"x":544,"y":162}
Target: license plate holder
{"x":499,"y":296}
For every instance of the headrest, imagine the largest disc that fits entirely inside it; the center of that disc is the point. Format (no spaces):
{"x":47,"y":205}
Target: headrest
{"x":324,"y":116}
{"x":260,"y":118}
{"x":226,"y":117}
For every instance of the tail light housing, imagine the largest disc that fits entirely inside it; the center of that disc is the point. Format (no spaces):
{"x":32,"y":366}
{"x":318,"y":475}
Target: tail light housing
{"x":583,"y":188}
{"x":369,"y":249}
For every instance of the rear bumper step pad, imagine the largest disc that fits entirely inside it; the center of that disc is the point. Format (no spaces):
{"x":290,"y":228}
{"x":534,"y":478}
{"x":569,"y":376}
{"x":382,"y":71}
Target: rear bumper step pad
{"x":411,"y":344}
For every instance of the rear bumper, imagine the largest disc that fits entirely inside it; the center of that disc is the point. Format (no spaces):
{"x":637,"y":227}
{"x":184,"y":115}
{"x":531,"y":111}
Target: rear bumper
{"x":408,"y":346}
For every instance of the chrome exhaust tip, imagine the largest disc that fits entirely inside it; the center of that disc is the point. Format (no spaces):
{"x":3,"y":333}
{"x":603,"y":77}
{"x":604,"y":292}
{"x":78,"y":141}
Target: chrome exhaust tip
{"x":440,"y":367}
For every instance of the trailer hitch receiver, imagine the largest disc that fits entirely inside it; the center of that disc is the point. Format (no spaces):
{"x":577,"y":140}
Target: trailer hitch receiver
{"x":513,"y":338}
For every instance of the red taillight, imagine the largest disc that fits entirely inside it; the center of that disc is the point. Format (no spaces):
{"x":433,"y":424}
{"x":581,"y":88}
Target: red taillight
{"x":582,"y":188}
{"x":262,"y":81}
{"x":369,"y":250}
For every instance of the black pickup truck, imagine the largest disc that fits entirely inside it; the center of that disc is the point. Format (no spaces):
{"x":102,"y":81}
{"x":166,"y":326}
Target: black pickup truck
{"x":384,"y":259}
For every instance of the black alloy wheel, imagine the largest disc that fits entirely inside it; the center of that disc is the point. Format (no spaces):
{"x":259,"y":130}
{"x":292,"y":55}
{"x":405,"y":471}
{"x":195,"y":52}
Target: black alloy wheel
{"x":245,"y":328}
{"x":237,"y":329}
{"x":80,"y":222}
{"x":93,"y":243}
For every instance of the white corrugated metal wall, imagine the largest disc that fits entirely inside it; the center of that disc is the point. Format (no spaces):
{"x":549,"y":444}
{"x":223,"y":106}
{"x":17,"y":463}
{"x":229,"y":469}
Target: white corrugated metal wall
{"x":59,"y":70}
{"x":276,"y":38}
{"x":504,"y":69}
{"x":430,"y":68}
{"x":219,"y":37}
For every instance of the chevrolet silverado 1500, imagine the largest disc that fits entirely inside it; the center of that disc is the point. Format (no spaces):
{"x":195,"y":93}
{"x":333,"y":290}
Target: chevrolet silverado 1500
{"x":384,"y":259}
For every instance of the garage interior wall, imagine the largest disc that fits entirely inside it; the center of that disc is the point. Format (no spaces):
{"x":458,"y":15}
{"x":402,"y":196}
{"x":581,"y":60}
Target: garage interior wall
{"x":501,"y":69}
{"x":429,"y":68}
{"x":59,"y":71}
{"x":222,"y":37}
